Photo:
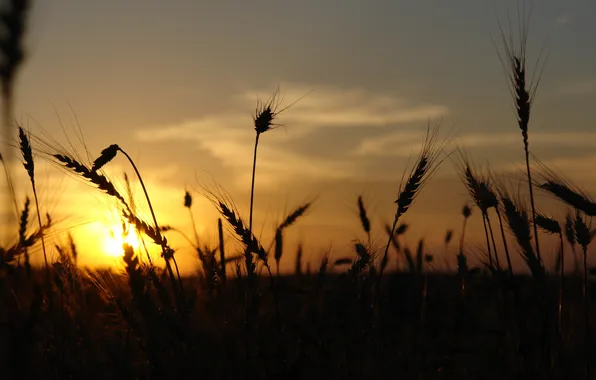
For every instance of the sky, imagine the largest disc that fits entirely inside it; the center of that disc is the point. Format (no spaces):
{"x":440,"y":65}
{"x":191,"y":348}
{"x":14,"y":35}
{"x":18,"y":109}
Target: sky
{"x":176,"y":83}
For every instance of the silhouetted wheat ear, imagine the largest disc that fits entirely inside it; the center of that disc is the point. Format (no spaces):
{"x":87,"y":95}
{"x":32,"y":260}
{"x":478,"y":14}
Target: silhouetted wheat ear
{"x":73,"y":248}
{"x":29,"y":165}
{"x":362,"y":261}
{"x":364,"y":221}
{"x":187,"y":200}
{"x":426,"y":165}
{"x":263,"y":119}
{"x":23,"y":222}
{"x":478,"y":186}
{"x":519,"y":224}
{"x":266,"y":112}
{"x":278,"y":245}
{"x":572,"y":197}
{"x":582,"y":232}
{"x":523,"y":92}
{"x":294,"y":215}
{"x":143,"y":227}
{"x":448,"y":236}
{"x":106,"y":156}
{"x":94,"y":177}
{"x":548,"y":224}
{"x":569,"y":230}
{"x":414,"y":183}
{"x":522,"y":95}
{"x":488,"y":196}
{"x":466,"y":211}
{"x":247,"y":238}
{"x":474,"y":189}
{"x":24,"y":219}
{"x":27,"y":154}
{"x":401,"y":229}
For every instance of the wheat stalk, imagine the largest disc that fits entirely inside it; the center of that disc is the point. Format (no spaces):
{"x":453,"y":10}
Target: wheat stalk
{"x":462,"y":262}
{"x":101,"y":181}
{"x":264,"y":119}
{"x":551,"y":226}
{"x":167,"y":253}
{"x":364,"y":220}
{"x":289,"y":220}
{"x":23,"y":222}
{"x":30,"y":168}
{"x":523,"y":92}
{"x":222,"y":251}
{"x":426,"y":165}
{"x":584,"y":238}
{"x":480,"y":189}
{"x":573,"y":197}
{"x":519,"y":224}
{"x":570,"y":237}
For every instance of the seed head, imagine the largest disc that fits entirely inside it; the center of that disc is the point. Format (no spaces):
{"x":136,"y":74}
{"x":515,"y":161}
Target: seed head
{"x":187,"y":200}
{"x":448,"y":236}
{"x":467,"y":211}
{"x":106,"y":156}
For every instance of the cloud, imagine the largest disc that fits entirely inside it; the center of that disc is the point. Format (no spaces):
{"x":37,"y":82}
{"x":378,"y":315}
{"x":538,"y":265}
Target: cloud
{"x":577,"y":169}
{"x":229,"y":137}
{"x":398,"y":143}
{"x":326,"y":106}
{"x":560,"y":139}
{"x":563,"y":19}
{"x":405,"y":143}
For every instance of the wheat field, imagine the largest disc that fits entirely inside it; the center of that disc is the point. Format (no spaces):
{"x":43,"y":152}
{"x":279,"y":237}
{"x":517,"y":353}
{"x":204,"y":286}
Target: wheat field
{"x":384,"y":309}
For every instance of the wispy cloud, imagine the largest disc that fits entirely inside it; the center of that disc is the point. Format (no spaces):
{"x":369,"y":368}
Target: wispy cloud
{"x":391,"y":144}
{"x":403,"y":143}
{"x":229,"y":137}
{"x":327,"y":106}
{"x":578,"y":169}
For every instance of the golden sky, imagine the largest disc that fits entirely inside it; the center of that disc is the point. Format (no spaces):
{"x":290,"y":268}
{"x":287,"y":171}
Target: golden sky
{"x":175,"y":84}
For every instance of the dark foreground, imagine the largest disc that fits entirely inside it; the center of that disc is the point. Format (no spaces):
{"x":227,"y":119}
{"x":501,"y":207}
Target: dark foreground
{"x":320,"y":326}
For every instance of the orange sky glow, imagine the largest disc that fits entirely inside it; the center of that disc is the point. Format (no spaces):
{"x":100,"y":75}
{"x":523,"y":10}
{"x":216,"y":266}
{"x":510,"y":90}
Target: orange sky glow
{"x":178,"y":94}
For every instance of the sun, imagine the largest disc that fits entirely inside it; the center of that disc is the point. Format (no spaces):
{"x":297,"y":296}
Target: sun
{"x":117,"y":237}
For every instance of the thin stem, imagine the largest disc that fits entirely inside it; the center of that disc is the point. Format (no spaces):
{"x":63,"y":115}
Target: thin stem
{"x":43,"y":243}
{"x":490,"y":256}
{"x":561,"y":287}
{"x":463,"y":233}
{"x":391,"y":237}
{"x":252,"y":186}
{"x":531,"y":188}
{"x":492,"y":236}
{"x":157,"y":231}
{"x":462,"y":274}
{"x":587,"y":341}
{"x":509,"y":266}
{"x":222,"y":254}
{"x":275,"y":297}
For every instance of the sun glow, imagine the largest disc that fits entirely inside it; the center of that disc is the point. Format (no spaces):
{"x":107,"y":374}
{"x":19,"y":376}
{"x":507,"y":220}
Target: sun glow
{"x":118,"y":237}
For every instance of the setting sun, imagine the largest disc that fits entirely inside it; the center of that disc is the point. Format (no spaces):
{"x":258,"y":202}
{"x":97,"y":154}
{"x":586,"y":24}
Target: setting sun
{"x":118,"y":237}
